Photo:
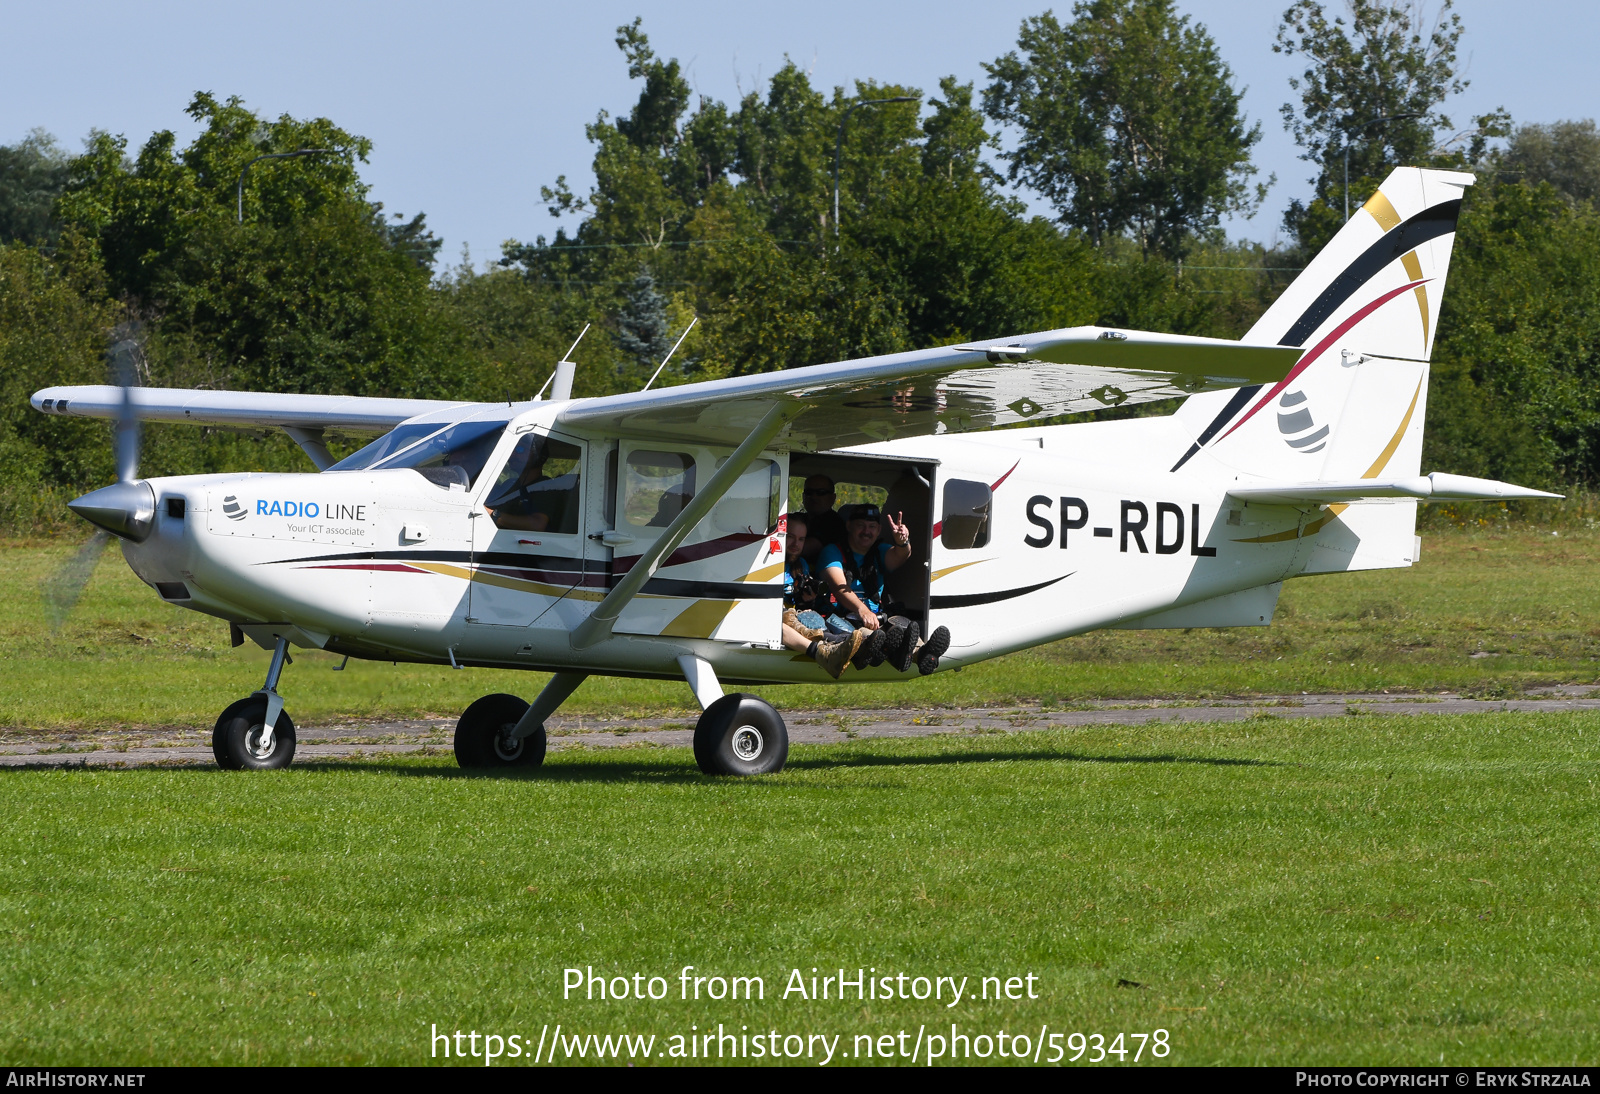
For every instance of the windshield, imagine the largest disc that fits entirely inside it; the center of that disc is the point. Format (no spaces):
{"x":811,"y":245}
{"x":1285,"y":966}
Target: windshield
{"x":449,"y":458}
{"x":386,"y":446}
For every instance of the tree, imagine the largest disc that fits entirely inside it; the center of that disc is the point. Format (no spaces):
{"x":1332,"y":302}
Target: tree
{"x":32,"y":173}
{"x":1516,"y":393}
{"x":1564,"y":154}
{"x":1129,"y":123}
{"x":1372,"y":87}
{"x":314,"y":291}
{"x":642,"y":327}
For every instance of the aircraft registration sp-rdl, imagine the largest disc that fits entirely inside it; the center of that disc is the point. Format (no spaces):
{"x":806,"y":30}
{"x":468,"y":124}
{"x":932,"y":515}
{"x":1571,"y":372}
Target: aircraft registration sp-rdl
{"x":1297,"y":451}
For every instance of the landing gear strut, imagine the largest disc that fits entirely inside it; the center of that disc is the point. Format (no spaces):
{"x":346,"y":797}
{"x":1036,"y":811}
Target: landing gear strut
{"x":256,"y":733}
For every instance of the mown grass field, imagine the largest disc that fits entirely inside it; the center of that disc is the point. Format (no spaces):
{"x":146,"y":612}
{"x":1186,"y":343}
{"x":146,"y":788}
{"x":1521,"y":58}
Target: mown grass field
{"x":1365,"y":890}
{"x":1369,"y":889}
{"x":1486,"y":612}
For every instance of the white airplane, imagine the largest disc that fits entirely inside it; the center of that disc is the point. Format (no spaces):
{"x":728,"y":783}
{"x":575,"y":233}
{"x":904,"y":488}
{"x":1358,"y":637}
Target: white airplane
{"x":660,"y":548}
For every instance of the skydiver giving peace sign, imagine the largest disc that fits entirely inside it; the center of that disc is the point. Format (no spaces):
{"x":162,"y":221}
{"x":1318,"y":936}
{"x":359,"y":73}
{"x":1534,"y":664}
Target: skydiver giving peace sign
{"x":855,"y":571}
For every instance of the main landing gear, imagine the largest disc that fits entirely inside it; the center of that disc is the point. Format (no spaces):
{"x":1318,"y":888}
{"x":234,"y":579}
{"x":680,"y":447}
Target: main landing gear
{"x":486,"y":735}
{"x":738,"y":734}
{"x":256,"y":733}
{"x":504,"y":731}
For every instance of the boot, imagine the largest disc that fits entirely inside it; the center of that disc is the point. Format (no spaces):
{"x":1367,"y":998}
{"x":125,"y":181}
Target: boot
{"x":834,"y":654}
{"x":901,"y":653}
{"x":791,"y":617}
{"x":870,"y":651}
{"x":933,"y":649}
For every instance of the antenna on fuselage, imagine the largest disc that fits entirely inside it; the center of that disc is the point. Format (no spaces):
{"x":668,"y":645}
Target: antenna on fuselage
{"x":670,"y":352}
{"x":562,"y":376}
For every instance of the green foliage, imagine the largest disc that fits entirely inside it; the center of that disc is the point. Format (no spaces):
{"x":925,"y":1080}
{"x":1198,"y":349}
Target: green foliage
{"x":312,"y":292}
{"x":1129,"y":122}
{"x":1516,"y":389}
{"x":1372,"y":89}
{"x":53,"y":328}
{"x":1565,"y":154}
{"x":32,"y":173}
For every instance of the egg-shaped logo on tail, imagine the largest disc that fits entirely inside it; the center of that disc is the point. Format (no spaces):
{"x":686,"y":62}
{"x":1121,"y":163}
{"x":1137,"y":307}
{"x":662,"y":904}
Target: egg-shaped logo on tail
{"x":1300,"y":431}
{"x":232,"y":509}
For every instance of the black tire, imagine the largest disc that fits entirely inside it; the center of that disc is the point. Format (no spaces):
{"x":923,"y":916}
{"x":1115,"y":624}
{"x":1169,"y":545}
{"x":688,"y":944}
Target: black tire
{"x":740,"y":734}
{"x":482,"y":735}
{"x":234,"y":741}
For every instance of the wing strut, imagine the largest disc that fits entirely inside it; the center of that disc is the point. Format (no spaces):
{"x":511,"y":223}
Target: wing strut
{"x":311,"y":442}
{"x":597,"y":628}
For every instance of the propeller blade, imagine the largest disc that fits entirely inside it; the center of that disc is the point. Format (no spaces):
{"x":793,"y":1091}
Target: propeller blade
{"x":66,"y":586}
{"x":125,"y":372}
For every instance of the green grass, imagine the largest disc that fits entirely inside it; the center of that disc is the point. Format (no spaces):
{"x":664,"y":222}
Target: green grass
{"x":1359,"y":890}
{"x":1524,"y":602}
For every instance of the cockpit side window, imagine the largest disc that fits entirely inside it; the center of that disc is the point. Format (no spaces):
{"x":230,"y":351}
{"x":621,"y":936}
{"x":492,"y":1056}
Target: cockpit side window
{"x":537,"y":490}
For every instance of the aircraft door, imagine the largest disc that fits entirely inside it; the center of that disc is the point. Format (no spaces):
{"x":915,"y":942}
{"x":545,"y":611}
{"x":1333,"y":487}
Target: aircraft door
{"x":528,"y":545}
{"x":725,"y":581}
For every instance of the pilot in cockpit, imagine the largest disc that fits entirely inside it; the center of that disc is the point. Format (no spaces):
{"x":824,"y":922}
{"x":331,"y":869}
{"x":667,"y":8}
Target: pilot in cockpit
{"x":530,"y":501}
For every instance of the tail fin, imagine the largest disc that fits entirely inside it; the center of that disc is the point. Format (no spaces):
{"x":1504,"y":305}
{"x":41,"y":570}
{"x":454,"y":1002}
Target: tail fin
{"x":1366,"y":311}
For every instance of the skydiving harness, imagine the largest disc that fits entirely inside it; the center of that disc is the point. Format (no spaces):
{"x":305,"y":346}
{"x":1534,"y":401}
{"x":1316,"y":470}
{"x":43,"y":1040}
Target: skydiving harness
{"x":865,"y":575}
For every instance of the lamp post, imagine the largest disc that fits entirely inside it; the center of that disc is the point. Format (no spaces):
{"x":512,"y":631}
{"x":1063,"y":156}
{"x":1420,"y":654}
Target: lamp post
{"x":1362,"y":128}
{"x":838,"y":145}
{"x":272,"y":156}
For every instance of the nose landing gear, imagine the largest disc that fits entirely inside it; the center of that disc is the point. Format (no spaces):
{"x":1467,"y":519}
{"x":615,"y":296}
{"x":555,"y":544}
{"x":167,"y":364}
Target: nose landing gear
{"x":256,"y":733}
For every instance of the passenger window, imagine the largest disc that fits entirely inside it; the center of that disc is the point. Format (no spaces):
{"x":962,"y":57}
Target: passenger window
{"x":537,"y":491}
{"x":751,"y":504}
{"x":656,"y":487}
{"x":966,"y":514}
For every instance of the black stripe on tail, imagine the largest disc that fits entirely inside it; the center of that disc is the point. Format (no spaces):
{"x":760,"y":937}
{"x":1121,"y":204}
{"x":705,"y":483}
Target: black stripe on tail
{"x":1431,"y":223}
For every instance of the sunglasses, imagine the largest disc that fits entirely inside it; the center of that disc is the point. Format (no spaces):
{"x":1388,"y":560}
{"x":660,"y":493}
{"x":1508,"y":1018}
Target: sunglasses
{"x":824,"y":493}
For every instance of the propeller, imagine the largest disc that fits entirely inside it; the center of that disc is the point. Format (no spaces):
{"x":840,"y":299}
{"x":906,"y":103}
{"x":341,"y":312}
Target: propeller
{"x":127,"y":507}
{"x":65,"y":587}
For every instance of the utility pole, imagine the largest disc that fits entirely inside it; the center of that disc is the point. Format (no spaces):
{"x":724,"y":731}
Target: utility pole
{"x":1362,"y":129}
{"x":273,"y":156}
{"x":838,"y":145}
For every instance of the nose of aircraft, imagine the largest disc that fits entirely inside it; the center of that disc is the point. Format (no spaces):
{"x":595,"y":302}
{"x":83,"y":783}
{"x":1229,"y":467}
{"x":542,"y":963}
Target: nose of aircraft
{"x":127,"y":509}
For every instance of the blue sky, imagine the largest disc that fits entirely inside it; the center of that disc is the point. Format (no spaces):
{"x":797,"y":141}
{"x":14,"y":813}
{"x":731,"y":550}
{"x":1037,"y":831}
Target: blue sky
{"x":471,"y":106}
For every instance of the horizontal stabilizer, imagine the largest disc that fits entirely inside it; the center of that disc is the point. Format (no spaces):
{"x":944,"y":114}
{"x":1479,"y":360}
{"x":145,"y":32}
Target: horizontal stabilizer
{"x":1434,"y":487}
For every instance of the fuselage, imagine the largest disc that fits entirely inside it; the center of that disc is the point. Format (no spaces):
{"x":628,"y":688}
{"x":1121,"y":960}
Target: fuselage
{"x":1023,"y":536}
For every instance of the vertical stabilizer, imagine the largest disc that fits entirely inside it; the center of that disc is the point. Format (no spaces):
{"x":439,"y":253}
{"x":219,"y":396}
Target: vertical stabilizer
{"x":1366,"y":312}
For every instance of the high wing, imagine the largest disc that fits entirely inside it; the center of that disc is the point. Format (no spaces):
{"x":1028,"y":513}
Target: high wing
{"x":239,"y":409}
{"x":949,"y":389}
{"x":1437,"y":487}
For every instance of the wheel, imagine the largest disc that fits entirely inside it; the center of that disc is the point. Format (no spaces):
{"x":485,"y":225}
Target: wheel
{"x":236,"y":741}
{"x":740,"y":734}
{"x":483,"y":735}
